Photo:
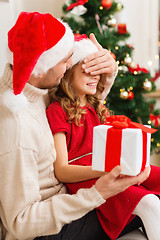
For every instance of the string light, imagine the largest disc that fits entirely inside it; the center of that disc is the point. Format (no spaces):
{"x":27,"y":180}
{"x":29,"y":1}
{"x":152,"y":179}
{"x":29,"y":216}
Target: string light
{"x":122,"y":90}
{"x":149,"y":122}
{"x":152,"y":139}
{"x":158,"y":144}
{"x":131,"y":88}
{"x":104,"y":102}
{"x":116,"y":47}
{"x":135,"y":72}
{"x":120,"y":68}
{"x":149,"y":63}
{"x":101,"y":8}
{"x":121,"y":75}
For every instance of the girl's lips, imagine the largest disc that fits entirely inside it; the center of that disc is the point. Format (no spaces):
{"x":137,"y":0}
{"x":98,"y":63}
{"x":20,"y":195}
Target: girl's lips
{"x":92,"y":84}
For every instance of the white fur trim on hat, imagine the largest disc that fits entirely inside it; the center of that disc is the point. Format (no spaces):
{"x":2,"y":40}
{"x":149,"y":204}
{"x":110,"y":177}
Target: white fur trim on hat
{"x":51,"y":57}
{"x":15,"y":103}
{"x":54,"y":55}
{"x":82,"y":49}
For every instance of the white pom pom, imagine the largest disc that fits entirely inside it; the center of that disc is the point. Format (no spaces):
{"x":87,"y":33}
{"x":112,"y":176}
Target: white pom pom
{"x":15,"y":103}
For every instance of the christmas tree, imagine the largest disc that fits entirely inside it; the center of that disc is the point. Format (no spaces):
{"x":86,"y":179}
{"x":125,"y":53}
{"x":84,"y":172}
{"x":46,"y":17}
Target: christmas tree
{"x":133,"y":82}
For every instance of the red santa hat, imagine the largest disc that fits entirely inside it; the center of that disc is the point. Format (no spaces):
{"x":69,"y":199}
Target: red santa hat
{"x":82,"y":48}
{"x":38,"y":42}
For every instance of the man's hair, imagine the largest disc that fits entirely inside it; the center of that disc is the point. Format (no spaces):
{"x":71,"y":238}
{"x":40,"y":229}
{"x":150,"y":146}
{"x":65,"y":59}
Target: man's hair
{"x":70,"y":102}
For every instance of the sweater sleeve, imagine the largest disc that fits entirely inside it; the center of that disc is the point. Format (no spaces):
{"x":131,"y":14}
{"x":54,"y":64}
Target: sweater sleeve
{"x":108,"y":80}
{"x":57,"y":118}
{"x":25,"y":214}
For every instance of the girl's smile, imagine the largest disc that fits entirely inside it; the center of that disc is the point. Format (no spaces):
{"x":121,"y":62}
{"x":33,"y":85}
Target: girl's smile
{"x":84,"y":83}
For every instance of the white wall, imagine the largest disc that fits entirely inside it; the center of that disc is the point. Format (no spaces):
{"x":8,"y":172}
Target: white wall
{"x":142,"y":18}
{"x":5,"y":23}
{"x":51,"y":6}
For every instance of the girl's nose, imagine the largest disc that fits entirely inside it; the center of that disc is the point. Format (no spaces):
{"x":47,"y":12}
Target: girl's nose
{"x":97,"y":77}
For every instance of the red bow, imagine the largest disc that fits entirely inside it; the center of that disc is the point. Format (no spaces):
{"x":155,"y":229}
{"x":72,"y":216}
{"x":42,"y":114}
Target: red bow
{"x":155,"y":118}
{"x":78,"y":2}
{"x":138,"y":68}
{"x":121,"y":121}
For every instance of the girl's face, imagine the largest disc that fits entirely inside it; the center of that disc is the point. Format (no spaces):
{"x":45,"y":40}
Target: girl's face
{"x":84,"y":83}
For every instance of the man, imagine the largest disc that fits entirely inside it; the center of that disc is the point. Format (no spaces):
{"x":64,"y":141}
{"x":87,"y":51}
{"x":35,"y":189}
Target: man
{"x":32,"y":202}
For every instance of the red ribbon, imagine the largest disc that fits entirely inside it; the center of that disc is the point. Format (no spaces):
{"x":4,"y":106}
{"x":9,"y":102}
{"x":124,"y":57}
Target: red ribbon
{"x":114,"y":139}
{"x":138,"y":68}
{"x":78,"y":2}
{"x":121,"y":121}
{"x":155,"y":118}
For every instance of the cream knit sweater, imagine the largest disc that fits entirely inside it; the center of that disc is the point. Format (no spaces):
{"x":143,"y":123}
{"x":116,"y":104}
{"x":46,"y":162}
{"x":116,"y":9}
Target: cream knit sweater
{"x":32,"y":201}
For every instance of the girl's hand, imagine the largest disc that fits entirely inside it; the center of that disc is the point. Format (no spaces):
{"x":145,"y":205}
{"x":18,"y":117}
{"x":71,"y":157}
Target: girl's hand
{"x":100,"y":62}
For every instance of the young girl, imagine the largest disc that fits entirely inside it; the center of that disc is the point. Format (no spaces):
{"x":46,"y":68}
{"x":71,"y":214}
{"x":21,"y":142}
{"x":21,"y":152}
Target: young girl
{"x":75,"y":110}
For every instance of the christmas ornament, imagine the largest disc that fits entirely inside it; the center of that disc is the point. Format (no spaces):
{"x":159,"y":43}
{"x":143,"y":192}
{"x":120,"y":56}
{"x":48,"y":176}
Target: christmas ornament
{"x":122,"y":29}
{"x":124,"y":68}
{"x":147,"y":85}
{"x":113,"y":55}
{"x":124,"y":95}
{"x":120,"y":43}
{"x":79,"y":10}
{"x":107,"y":4}
{"x":129,"y":45}
{"x":130,"y":95}
{"x":128,"y":59}
{"x":133,"y":64}
{"x":77,"y":3}
{"x":111,"y":22}
{"x":119,"y":7}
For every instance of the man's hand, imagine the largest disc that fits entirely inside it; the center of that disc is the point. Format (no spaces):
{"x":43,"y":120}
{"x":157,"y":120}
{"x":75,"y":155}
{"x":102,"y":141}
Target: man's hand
{"x":111,"y":184}
{"x":100,"y":62}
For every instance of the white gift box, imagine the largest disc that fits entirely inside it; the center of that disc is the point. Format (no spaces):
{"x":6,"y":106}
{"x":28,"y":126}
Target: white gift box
{"x":132,"y":150}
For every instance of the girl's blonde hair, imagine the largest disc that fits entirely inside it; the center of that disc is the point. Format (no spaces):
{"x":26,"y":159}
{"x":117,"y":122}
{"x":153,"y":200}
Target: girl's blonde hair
{"x":70,"y":102}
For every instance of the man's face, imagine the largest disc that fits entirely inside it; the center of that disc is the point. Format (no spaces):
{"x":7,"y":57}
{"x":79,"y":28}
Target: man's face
{"x":53,"y":77}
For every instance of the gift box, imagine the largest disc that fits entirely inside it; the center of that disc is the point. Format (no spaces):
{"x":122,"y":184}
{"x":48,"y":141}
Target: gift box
{"x":121,"y":142}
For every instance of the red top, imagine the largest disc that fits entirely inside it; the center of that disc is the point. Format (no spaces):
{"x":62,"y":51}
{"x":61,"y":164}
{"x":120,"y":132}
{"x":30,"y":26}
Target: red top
{"x":79,"y":138}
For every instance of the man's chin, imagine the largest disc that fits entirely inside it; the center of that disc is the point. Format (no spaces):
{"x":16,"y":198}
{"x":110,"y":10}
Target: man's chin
{"x":56,"y":84}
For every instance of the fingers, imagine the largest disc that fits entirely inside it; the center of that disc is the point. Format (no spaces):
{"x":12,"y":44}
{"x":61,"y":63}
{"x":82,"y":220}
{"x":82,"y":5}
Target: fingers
{"x":96,"y":57}
{"x":100,"y":69}
{"x":144,"y":174}
{"x":99,"y":63}
{"x":133,"y":180}
{"x":115,"y":173}
{"x":94,"y":40}
{"x":113,"y":183}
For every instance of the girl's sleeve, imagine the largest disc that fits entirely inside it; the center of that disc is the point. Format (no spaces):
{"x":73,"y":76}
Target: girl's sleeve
{"x":57,"y":119}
